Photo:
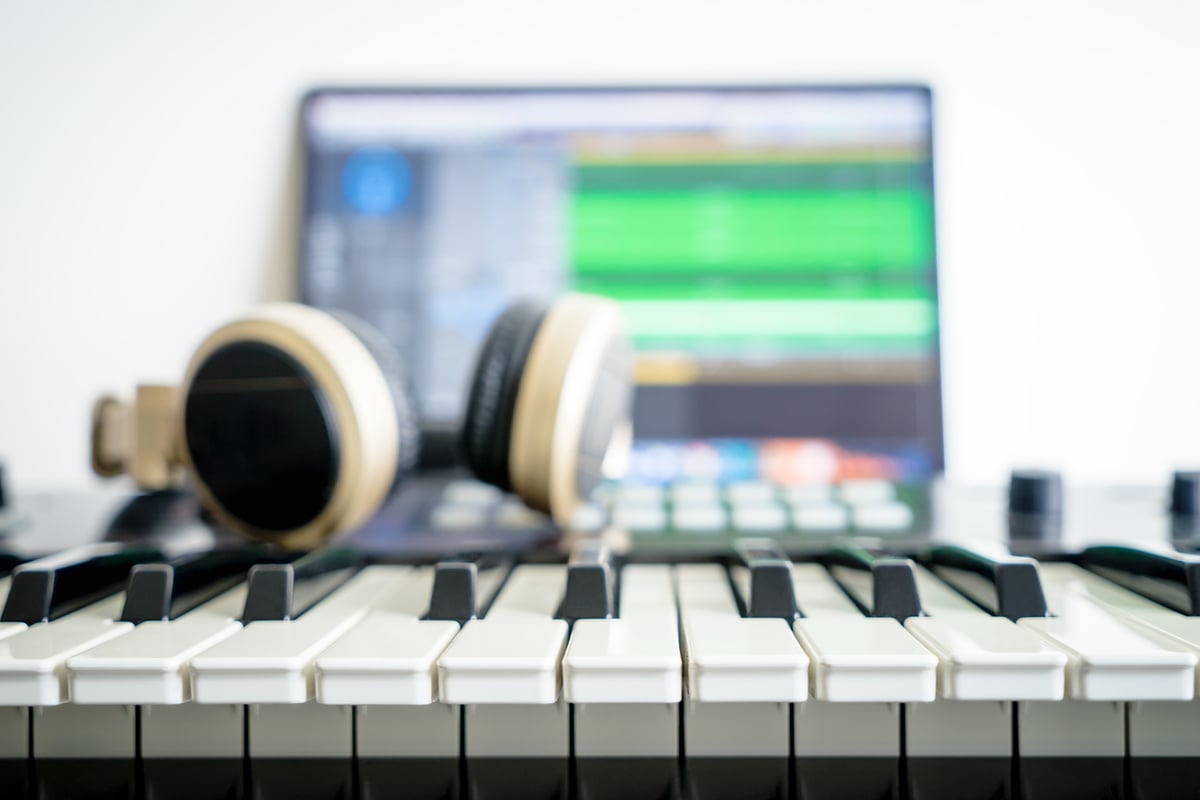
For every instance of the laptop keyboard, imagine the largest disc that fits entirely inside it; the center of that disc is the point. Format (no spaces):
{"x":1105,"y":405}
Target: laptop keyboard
{"x":866,"y":506}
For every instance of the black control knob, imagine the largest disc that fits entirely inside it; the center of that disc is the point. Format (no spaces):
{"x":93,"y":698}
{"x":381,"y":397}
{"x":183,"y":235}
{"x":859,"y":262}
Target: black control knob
{"x":1185,"y":493}
{"x":1035,"y":491}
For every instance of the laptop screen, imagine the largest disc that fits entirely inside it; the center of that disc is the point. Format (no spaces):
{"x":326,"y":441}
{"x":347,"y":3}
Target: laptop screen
{"x":772,"y":250}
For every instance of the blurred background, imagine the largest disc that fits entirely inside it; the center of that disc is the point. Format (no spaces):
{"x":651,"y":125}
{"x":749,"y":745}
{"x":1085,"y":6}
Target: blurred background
{"x":150,"y":167}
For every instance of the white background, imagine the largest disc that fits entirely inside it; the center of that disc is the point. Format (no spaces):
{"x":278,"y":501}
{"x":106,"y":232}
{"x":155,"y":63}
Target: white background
{"x":148,"y":170}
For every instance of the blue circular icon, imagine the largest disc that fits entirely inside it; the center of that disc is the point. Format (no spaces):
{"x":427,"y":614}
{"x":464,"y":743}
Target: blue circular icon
{"x":376,"y":182}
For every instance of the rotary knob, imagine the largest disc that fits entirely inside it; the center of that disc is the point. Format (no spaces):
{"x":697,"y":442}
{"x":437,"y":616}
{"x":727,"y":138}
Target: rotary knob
{"x":1185,"y":493}
{"x":1035,"y":492}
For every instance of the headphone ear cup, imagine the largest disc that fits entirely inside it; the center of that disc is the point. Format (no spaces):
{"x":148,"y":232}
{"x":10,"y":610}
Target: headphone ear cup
{"x":487,"y":424}
{"x":295,"y":424}
{"x":404,"y":399}
{"x":550,"y":402}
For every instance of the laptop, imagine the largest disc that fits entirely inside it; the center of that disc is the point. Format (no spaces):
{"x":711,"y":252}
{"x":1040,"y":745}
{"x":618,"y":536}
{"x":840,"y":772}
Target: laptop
{"x":772,"y":249}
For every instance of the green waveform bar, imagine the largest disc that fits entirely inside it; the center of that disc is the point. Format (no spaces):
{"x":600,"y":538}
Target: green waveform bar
{"x":735,"y":231}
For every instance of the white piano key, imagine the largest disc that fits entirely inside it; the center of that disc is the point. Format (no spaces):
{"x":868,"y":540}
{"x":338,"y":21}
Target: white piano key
{"x":268,"y":665}
{"x":981,"y":657}
{"x":1110,"y":660}
{"x":1071,"y":728}
{"x":300,"y":730}
{"x":71,"y":731}
{"x":149,"y":662}
{"x":8,"y":628}
{"x":14,"y":732}
{"x":193,"y":730}
{"x":403,"y":731}
{"x":742,"y":674}
{"x":1155,"y":728}
{"x":387,"y":666}
{"x":33,"y":662}
{"x":271,"y":661}
{"x":506,"y":669}
{"x":857,"y":658}
{"x":862,"y":669}
{"x":625,"y":675}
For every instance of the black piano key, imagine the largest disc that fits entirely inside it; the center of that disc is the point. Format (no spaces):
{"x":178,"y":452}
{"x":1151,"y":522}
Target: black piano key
{"x":285,"y":591}
{"x":893,"y":582}
{"x":1006,"y":586}
{"x":456,"y":594}
{"x":165,"y":591}
{"x":48,"y":588}
{"x":590,"y":592}
{"x":1165,"y":576}
{"x":772,"y":594}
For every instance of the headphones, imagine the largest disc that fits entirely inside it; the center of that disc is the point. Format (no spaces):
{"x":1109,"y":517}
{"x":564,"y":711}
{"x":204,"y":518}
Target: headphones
{"x":296,"y":424}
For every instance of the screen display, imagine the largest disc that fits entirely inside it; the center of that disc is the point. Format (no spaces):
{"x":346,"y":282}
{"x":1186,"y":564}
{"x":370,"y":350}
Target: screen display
{"x":772,"y":250}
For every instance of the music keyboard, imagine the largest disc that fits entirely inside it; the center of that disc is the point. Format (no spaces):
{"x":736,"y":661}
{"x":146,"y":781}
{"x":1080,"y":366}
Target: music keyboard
{"x":754,"y":655}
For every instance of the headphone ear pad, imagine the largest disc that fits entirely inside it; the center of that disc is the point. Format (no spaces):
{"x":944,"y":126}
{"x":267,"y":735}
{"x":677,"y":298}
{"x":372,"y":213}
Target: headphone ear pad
{"x":487,"y":425}
{"x":404,"y":400}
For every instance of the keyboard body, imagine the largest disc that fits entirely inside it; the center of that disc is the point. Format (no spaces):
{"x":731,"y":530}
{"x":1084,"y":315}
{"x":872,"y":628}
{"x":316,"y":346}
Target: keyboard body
{"x":681,"y":541}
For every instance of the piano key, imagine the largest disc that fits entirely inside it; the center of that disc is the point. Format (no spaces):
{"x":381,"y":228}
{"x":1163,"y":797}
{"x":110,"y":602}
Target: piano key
{"x":1005,"y":585}
{"x":625,"y":675}
{"x":884,"y":586}
{"x":1155,"y":728}
{"x":51,"y":587}
{"x":1110,"y":660}
{"x":1168,"y":576}
{"x":769,"y":591}
{"x":268,"y":665}
{"x":985,"y":663}
{"x":461,"y":589}
{"x":741,"y":673}
{"x":148,"y":665}
{"x":386,"y":664}
{"x":505,"y":668}
{"x":863,"y":668}
{"x":590,"y":590}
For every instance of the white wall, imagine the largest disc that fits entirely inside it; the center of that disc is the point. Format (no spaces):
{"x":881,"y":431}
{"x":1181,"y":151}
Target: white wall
{"x":148,"y":166}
